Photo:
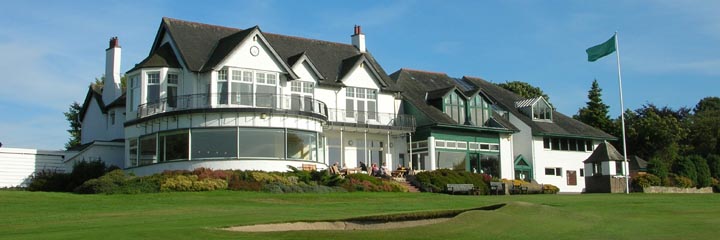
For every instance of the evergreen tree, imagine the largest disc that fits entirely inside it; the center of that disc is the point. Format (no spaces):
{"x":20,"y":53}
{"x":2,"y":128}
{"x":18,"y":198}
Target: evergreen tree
{"x":714,"y":164}
{"x":73,"y":118}
{"x":685,"y":166}
{"x":596,"y":112}
{"x":703,"y":171}
{"x":660,"y":168}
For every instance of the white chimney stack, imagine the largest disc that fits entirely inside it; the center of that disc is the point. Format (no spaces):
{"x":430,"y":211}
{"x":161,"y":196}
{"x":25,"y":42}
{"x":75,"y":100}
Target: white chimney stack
{"x":111,"y":88}
{"x":358,"y":39}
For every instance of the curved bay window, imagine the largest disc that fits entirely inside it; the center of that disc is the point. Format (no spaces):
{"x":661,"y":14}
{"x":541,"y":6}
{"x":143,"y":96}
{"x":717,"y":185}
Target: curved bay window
{"x":225,"y":143}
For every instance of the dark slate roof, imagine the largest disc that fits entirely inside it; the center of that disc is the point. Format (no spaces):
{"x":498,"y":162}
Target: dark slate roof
{"x":163,"y":57}
{"x":603,"y":153}
{"x":95,"y":93}
{"x":201,"y":46}
{"x":637,"y":163}
{"x":416,"y":84}
{"x":439,"y":93}
{"x":561,"y":124}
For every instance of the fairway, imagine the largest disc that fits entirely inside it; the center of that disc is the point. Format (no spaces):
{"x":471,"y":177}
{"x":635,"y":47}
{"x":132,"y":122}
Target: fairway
{"x":201,"y":215}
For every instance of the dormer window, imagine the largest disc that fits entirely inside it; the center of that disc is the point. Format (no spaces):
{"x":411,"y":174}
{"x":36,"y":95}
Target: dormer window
{"x":536,"y":108}
{"x":455,"y":107}
{"x":542,"y":111}
{"x":479,"y":110}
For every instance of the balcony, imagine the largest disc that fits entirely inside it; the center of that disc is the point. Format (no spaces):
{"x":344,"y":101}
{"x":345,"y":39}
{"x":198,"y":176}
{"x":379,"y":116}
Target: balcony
{"x":342,"y":117}
{"x":277,"y":102}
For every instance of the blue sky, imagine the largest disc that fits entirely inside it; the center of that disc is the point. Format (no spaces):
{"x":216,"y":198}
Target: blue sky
{"x":51,"y":50}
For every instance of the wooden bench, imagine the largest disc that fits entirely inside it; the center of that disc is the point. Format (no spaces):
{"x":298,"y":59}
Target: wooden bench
{"x":519,"y":189}
{"x":497,"y":188}
{"x":469,"y":188}
{"x":309,"y":167}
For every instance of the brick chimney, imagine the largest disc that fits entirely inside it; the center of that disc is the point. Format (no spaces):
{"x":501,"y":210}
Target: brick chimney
{"x":358,"y":39}
{"x":111,"y":89}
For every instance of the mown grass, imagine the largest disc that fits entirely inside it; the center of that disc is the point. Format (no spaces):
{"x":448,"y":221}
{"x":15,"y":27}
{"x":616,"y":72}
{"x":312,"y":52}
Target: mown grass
{"x":35,"y":215}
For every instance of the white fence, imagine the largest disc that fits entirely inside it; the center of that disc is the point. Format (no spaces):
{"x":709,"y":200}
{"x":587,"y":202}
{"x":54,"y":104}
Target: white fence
{"x":17,"y":164}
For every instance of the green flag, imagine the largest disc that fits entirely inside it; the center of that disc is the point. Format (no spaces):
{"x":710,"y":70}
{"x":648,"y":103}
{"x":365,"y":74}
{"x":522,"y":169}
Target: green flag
{"x":599,"y":51}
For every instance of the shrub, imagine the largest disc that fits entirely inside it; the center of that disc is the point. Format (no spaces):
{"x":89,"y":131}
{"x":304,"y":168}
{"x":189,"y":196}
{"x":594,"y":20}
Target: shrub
{"x":300,"y":188}
{"x":644,"y":181}
{"x":716,"y":185}
{"x":714,"y":164}
{"x":659,"y":168}
{"x":685,"y":167}
{"x":436,"y":181}
{"x":704,"y":179}
{"x":550,"y":189}
{"x":49,"y":181}
{"x":117,"y":181}
{"x":366,"y":183}
{"x":680,"y":181}
{"x":83,"y":171}
{"x":182,"y":183}
{"x":206,"y":173}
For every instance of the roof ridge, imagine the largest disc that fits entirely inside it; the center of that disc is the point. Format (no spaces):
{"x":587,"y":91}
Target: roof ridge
{"x":423,"y":71}
{"x":256,"y":26}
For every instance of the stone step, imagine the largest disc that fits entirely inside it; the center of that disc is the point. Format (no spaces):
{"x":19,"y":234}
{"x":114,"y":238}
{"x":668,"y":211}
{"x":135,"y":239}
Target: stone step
{"x":409,"y":186}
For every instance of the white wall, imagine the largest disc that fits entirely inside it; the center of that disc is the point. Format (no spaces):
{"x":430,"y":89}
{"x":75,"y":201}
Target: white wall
{"x":567,"y":160}
{"x":17,"y":164}
{"x":112,"y":153}
{"x":94,"y":125}
{"x":507,"y":160}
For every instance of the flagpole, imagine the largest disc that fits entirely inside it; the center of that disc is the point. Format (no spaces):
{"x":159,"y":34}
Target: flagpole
{"x":622,"y":117}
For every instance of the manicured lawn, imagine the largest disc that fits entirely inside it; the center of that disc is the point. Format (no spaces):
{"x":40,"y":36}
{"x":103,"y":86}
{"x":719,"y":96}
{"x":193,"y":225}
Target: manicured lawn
{"x":33,"y":215}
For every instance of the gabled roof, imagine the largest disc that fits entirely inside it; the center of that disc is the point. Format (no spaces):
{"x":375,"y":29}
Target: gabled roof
{"x":353,"y":62}
{"x":417,"y":84}
{"x":527,"y":102}
{"x":302,"y":57}
{"x":440,"y":93}
{"x":163,"y":57}
{"x":561,"y":125}
{"x":603,"y":153}
{"x":95,"y":93}
{"x":201,"y":45}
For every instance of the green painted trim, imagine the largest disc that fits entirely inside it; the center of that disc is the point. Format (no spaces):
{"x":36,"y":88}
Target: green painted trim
{"x":474,"y":128}
{"x":572,"y":136}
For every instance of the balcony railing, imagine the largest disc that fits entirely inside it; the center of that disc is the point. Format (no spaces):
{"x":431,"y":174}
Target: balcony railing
{"x":369,"y":119}
{"x":233,"y":100}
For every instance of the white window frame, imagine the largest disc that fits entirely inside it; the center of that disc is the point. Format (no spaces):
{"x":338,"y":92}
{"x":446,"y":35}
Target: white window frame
{"x":365,"y":95}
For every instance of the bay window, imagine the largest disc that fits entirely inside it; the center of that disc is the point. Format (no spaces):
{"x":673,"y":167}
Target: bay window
{"x":302,"y":95}
{"x":153,"y":87}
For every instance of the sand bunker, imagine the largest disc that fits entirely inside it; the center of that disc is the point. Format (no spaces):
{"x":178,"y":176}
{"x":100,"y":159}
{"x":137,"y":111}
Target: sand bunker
{"x":337,"y":225}
{"x":354,"y":224}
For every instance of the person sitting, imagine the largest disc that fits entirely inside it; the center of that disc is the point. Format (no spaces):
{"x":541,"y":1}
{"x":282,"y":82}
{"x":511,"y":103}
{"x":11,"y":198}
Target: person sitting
{"x":334,"y":169}
{"x":375,"y":170}
{"x":363,"y":167}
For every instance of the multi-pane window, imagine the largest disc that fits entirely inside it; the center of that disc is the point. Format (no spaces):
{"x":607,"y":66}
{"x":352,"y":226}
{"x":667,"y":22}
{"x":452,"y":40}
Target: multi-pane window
{"x":455,"y":107}
{"x":361,"y":103}
{"x":553,"y":172}
{"x":567,"y":144}
{"x":241,"y":87}
{"x":619,"y":168}
{"x":302,"y":95}
{"x":153,"y":87}
{"x":172,"y":89}
{"x":479,"y":110}
{"x":222,"y":87}
{"x":134,"y":92}
{"x":542,"y":111}
{"x":247,"y":87}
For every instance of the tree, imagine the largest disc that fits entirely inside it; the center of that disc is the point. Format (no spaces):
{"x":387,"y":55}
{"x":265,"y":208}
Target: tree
{"x":714,"y":165}
{"x":595,"y":113}
{"x":704,"y":127}
{"x":524,"y":89}
{"x":685,"y":166}
{"x":659,"y":168}
{"x":708,"y":104}
{"x":703,"y":171}
{"x":73,"y":117}
{"x":653,"y":133}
